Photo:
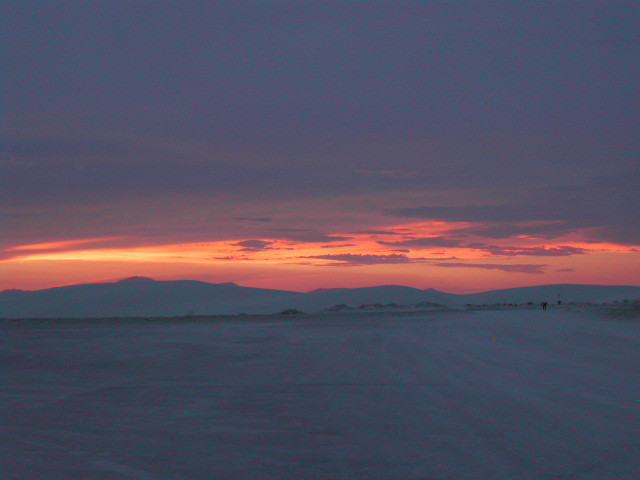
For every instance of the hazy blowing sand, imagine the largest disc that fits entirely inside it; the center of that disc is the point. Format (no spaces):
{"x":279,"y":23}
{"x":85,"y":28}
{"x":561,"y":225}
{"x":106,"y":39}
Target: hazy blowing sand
{"x":520,"y":394}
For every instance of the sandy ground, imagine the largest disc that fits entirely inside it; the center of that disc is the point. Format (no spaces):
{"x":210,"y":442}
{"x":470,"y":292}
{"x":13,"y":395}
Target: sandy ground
{"x":520,"y":394}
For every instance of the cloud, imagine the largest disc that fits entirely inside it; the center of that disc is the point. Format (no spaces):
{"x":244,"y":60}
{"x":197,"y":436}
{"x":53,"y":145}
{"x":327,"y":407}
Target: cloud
{"x":565,"y":270}
{"x":523,"y":268}
{"x":508,"y":230}
{"x":605,"y":208}
{"x":253,"y":245}
{"x":390,"y":173}
{"x":560,"y":251}
{"x":7,"y":159}
{"x":318,"y":238}
{"x":355,"y":259}
{"x":496,"y":250}
{"x":423,"y":242}
{"x":63,"y":149}
{"x":623,"y":233}
{"x":233,"y":257}
{"x":62,"y":246}
{"x":342,"y":245}
{"x":376,"y":232}
{"x":310,"y":236}
{"x":484,"y":213}
{"x":252,"y":219}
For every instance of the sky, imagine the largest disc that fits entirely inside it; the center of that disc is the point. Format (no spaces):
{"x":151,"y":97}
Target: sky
{"x":458,"y":145}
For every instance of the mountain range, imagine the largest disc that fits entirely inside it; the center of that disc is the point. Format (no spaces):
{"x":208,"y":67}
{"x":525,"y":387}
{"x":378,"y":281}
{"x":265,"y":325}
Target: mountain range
{"x":142,"y":296}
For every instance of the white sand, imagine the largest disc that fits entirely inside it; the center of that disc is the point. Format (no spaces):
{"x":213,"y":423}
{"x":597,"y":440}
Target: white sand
{"x":520,"y":394}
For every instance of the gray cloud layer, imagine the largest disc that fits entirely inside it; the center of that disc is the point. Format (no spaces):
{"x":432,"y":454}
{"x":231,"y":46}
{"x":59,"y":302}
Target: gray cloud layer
{"x":522,"y":268}
{"x":608,"y":205}
{"x":355,"y":259}
{"x":255,"y":101}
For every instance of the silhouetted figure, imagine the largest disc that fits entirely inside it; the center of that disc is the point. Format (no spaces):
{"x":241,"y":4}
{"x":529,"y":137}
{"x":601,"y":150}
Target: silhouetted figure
{"x":544,"y":305}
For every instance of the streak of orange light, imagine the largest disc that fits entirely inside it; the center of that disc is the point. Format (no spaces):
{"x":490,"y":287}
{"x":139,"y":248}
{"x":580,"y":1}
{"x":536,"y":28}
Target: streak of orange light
{"x":61,"y":244}
{"x":280,"y":251}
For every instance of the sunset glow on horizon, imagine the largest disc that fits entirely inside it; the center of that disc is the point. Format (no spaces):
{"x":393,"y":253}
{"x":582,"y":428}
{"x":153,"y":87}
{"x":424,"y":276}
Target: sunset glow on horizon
{"x":423,"y":254}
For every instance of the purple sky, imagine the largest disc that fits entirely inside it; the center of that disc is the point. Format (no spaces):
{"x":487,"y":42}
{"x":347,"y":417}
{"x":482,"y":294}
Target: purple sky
{"x":164,"y":122}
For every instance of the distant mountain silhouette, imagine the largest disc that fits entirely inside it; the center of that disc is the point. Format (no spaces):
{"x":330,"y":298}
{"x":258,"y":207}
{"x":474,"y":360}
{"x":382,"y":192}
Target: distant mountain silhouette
{"x":142,"y":296}
{"x":12,"y":291}
{"x":136,"y":280}
{"x":564,"y":293}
